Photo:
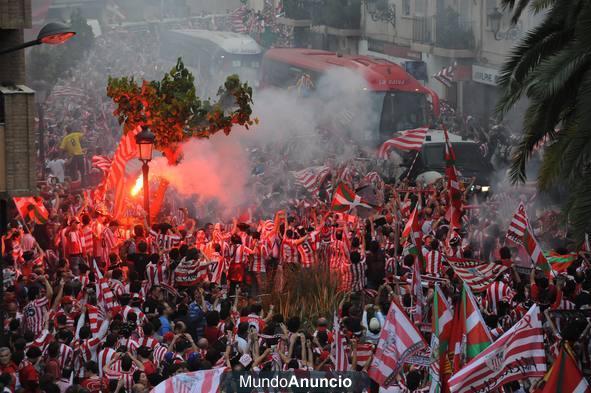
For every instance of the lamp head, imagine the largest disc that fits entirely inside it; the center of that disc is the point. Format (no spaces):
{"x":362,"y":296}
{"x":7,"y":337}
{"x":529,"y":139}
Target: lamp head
{"x":145,"y":142}
{"x":55,"y":33}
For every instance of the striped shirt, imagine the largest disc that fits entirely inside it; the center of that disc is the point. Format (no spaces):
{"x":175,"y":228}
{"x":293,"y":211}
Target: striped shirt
{"x":159,"y":353}
{"x":308,"y":250}
{"x":34,"y":313}
{"x":288,"y":251}
{"x":104,"y":357}
{"x":89,"y":348}
{"x":127,"y":376}
{"x":339,"y":254}
{"x":358,"y":279}
{"x":434,"y":261}
{"x":117,"y":287}
{"x":108,"y":243}
{"x":73,"y":244}
{"x":259,"y":256}
{"x":66,"y":356}
{"x":497,"y":292}
{"x":87,"y":241}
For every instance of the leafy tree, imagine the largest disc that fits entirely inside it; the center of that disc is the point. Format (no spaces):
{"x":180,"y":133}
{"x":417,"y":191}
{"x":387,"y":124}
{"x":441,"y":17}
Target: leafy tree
{"x":551,"y":66}
{"x":48,"y":63}
{"x":173,"y":111}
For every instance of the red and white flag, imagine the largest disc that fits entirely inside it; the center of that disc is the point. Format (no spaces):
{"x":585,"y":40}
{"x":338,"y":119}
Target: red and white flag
{"x":204,"y":381}
{"x":417,"y":290}
{"x":105,"y":294}
{"x":101,"y":162}
{"x":115,"y":178}
{"x":517,"y":354}
{"x":521,"y":233}
{"x":454,"y":212}
{"x":312,"y":178}
{"x":407,"y":141}
{"x":399,"y":339}
{"x":479,"y":275}
{"x":94,"y":316}
{"x":518,"y":225}
{"x":339,"y":355}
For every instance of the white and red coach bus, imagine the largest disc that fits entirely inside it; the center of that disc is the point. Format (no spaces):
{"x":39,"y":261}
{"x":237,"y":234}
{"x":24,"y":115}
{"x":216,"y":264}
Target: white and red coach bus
{"x":399,"y":102}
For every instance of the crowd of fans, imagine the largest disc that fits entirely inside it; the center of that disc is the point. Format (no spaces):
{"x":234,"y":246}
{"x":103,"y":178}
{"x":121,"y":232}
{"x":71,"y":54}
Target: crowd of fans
{"x":93,"y":305}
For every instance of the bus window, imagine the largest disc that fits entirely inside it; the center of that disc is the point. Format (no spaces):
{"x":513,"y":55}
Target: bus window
{"x":402,"y":111}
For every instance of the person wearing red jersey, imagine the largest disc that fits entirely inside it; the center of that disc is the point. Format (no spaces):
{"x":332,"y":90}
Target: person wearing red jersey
{"x":237,"y":255}
{"x":129,"y":364}
{"x":106,"y":354}
{"x":92,"y":381}
{"x":87,"y":240}
{"x":73,"y":245}
{"x":109,"y":241}
{"x":258,"y":265}
{"x":97,"y":238}
{"x":34,"y":312}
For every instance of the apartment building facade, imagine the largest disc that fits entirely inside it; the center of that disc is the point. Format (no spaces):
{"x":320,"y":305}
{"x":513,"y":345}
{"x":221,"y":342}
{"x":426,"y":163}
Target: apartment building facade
{"x":465,"y":40}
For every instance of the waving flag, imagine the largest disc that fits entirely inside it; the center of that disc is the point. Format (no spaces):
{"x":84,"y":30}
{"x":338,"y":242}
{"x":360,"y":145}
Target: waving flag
{"x":409,"y":140}
{"x":339,"y":356}
{"x":440,"y":369}
{"x":417,"y":290}
{"x":114,"y":179}
{"x":203,"y":381}
{"x":477,"y":274}
{"x":312,"y":178}
{"x":104,"y":293}
{"x":560,"y":262}
{"x":517,"y":354}
{"x":447,"y":74}
{"x":32,"y":208}
{"x":565,"y":376}
{"x":470,"y":334}
{"x":399,"y":340}
{"x":101,"y":162}
{"x":521,"y":233}
{"x":345,"y":199}
{"x":454,"y":212}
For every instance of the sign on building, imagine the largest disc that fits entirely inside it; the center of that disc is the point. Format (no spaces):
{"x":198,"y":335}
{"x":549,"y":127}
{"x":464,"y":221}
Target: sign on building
{"x":488,"y":76}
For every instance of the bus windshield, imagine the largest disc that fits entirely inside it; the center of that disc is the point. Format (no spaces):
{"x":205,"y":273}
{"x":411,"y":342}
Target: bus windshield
{"x":468,"y":155}
{"x":401,"y":110}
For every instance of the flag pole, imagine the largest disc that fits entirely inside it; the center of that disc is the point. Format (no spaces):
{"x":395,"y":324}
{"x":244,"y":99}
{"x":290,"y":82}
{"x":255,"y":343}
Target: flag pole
{"x":412,"y":164}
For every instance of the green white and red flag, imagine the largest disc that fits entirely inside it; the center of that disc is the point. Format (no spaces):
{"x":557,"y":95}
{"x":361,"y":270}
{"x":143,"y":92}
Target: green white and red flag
{"x":345,"y":199}
{"x":470,"y":334}
{"x":565,"y":375}
{"x":440,"y":369}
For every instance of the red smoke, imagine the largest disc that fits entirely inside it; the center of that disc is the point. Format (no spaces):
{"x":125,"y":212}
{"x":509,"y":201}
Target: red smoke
{"x":217,"y":168}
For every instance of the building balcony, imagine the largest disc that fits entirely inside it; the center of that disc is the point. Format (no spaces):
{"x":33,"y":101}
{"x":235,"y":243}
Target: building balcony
{"x":446,"y":36}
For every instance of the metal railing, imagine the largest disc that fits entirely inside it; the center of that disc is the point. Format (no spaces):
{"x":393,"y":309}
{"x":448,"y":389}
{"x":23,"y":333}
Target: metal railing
{"x":449,"y":32}
{"x":422,"y":29}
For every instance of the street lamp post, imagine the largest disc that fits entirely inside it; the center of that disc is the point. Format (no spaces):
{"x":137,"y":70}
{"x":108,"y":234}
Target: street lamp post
{"x":145,"y":143}
{"x":52,"y":33}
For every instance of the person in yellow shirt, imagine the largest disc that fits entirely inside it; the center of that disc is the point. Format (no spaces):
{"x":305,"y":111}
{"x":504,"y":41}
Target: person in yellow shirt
{"x":71,"y":143}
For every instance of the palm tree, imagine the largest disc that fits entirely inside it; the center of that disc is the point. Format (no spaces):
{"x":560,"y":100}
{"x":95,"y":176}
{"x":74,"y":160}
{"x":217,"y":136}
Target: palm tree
{"x":551,"y":66}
